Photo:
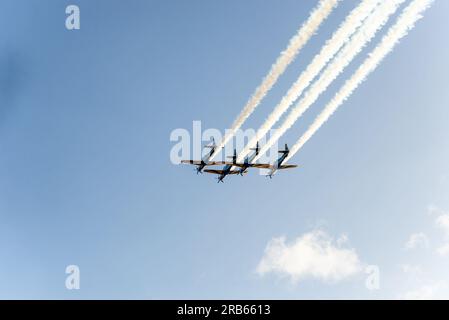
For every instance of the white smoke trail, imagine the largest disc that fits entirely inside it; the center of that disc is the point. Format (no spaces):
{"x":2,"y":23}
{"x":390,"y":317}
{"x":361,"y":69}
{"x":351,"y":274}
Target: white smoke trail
{"x":400,"y":29}
{"x":307,"y":30}
{"x":363,"y":35}
{"x":353,"y":21}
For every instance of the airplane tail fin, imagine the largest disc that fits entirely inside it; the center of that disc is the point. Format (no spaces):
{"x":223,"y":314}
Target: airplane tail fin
{"x":256,"y":148}
{"x":212,"y":146}
{"x":285,"y":150}
{"x":234,"y":157}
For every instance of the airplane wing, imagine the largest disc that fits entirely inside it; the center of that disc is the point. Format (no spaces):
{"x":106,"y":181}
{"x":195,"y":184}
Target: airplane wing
{"x":287,"y":166}
{"x":261,"y":165}
{"x":219,"y":163}
{"x":196,"y":162}
{"x":221,"y":171}
{"x":213,"y":171}
{"x":199,"y":162}
{"x":241,"y":165}
{"x":215,"y":163}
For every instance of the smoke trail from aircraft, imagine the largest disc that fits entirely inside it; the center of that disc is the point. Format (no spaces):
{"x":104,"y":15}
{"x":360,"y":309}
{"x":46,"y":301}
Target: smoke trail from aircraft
{"x":307,"y":30}
{"x":353,"y":21}
{"x":363,"y":35}
{"x":411,"y":14}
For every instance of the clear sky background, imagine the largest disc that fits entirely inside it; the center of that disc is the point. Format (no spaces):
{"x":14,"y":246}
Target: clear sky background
{"x":86,"y":178}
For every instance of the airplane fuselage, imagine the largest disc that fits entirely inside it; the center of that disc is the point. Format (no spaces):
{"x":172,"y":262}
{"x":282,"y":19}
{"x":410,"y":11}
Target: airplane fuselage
{"x":247,"y":163}
{"x":277,"y":164}
{"x":205,"y":161}
{"x":226,"y":169}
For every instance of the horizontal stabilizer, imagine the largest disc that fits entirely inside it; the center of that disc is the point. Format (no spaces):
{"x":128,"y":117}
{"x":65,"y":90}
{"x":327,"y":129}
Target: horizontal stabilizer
{"x":286,"y":150}
{"x":287,"y":166}
{"x":213,"y":145}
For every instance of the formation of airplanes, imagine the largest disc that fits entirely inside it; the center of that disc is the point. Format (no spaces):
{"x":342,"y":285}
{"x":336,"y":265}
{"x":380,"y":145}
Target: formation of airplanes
{"x":240,"y":168}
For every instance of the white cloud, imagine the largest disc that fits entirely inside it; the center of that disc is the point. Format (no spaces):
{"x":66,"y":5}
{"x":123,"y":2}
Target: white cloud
{"x":443,"y":250}
{"x":312,"y":255}
{"x":425,"y":284}
{"x":417,"y":240}
{"x":424,"y":292}
{"x":442,"y":221}
{"x":411,"y":269}
{"x":433,"y":209}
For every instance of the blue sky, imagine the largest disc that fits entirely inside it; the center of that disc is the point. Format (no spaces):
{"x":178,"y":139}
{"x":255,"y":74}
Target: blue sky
{"x":86,"y":178}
